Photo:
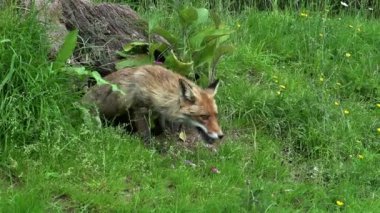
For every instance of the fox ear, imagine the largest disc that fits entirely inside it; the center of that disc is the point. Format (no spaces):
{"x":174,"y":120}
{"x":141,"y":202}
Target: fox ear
{"x":213,"y":87}
{"x":186,"y":90}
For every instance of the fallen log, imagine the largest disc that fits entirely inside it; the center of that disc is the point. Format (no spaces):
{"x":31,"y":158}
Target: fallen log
{"x":104,"y":29}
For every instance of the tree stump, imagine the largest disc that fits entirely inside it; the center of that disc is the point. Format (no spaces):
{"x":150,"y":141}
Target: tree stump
{"x":104,"y":29}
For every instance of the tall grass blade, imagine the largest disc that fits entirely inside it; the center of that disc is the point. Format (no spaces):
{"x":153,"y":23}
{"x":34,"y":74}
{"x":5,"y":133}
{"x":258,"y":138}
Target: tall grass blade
{"x":10,"y":73}
{"x":67,"y":49}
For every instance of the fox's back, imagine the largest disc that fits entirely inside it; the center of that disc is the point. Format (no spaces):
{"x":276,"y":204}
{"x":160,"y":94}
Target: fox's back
{"x":148,"y":79}
{"x":171,"y":95}
{"x":150,"y":86}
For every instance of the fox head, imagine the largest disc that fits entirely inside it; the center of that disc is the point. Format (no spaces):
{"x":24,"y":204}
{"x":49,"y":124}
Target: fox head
{"x":199,"y":109}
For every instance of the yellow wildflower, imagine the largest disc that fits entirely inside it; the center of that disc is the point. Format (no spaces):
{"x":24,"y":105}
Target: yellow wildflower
{"x":339,"y":203}
{"x":303,"y":14}
{"x":346,"y":111}
{"x":361,"y":157}
{"x":348,"y":55}
{"x":336,"y":103}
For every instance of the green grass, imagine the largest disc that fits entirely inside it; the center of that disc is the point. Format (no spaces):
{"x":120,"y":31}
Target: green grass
{"x":288,"y":148}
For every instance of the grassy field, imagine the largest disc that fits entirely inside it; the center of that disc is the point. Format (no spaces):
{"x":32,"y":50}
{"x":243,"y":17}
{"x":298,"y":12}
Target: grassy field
{"x":299,"y":104}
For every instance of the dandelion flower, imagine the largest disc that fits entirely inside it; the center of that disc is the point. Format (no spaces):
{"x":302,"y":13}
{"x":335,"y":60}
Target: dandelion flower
{"x":344,"y":3}
{"x":339,"y":203}
{"x":346,"y":112}
{"x":304,"y":14}
{"x":336,"y":103}
{"x":361,"y":157}
{"x":348,"y":55}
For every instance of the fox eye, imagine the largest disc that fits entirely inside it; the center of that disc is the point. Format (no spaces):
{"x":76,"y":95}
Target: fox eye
{"x":205,"y":117}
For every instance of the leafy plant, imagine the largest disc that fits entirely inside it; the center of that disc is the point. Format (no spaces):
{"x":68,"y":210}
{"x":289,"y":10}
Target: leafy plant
{"x":66,"y":50}
{"x":64,"y":54}
{"x":194,"y":51}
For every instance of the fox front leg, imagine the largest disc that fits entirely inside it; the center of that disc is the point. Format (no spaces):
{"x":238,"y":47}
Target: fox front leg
{"x":169,"y":127}
{"x":142,"y":123}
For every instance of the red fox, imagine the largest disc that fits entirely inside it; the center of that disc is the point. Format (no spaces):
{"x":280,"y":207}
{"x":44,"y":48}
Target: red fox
{"x":172,"y":96}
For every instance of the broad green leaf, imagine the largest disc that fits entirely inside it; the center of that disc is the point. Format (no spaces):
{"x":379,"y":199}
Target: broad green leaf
{"x":161,"y":47}
{"x":133,"y":61}
{"x":205,"y":55}
{"x":208,"y":35}
{"x":80,"y":70}
{"x":173,"y":63}
{"x":222,"y":50}
{"x":122,"y":54}
{"x":66,"y":49}
{"x":202,"y":15}
{"x":136,"y":46}
{"x":166,"y":35}
{"x":221,"y":34}
{"x":197,"y":39}
{"x":188,"y":16}
{"x":221,"y":39}
{"x":98,"y":78}
{"x":101,"y":81}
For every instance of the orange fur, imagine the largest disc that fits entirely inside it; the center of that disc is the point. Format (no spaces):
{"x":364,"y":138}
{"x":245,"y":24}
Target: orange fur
{"x":174,"y":97}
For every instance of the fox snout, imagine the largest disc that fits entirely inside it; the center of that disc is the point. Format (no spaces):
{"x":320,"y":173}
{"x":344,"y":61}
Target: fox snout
{"x":215,"y":135}
{"x":210,"y":137}
{"x":220,"y":136}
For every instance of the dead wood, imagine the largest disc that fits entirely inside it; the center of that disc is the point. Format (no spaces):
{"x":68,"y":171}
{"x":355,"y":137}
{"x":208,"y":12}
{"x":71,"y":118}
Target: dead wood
{"x":103,"y":29}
